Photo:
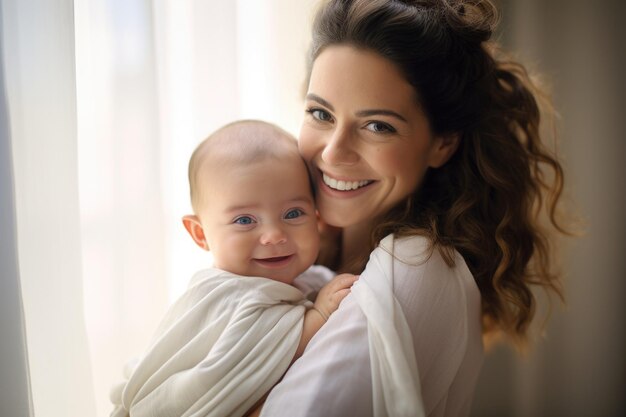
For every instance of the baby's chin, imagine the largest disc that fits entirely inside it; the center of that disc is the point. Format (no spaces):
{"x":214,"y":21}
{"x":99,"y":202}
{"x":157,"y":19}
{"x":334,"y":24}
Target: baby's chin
{"x":285,"y":278}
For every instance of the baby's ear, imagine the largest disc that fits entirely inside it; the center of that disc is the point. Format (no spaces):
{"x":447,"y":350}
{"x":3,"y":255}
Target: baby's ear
{"x":195,"y":230}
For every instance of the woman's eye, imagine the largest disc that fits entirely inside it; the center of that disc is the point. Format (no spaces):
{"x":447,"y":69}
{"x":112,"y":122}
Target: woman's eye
{"x":380,"y":127}
{"x":293,"y":214}
{"x":319,"y":114}
{"x":244,"y":220}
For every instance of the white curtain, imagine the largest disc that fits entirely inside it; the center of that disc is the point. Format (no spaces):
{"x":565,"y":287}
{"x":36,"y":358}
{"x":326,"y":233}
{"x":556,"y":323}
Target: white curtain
{"x":14,"y":381}
{"x":39,"y":67}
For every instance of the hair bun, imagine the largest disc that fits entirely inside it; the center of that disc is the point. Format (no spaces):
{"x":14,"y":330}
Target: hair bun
{"x":474,"y":20}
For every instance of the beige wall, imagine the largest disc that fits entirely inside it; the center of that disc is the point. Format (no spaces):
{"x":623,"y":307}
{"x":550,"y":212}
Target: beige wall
{"x":578,"y":369}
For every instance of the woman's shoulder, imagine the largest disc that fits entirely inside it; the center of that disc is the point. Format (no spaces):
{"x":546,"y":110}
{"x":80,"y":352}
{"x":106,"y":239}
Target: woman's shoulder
{"x":416,"y":255}
{"x":411,"y":250}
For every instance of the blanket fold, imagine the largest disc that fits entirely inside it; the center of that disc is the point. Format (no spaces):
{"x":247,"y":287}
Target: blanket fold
{"x":219,"y":349}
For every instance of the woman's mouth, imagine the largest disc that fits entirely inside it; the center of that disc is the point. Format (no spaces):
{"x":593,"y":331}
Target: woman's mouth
{"x":343,"y":185}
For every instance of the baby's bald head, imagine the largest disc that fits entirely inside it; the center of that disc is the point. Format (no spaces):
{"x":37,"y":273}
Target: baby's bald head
{"x":236,"y":144}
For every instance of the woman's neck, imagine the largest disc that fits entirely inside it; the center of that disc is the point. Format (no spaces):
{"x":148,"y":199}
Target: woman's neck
{"x":355,"y":248}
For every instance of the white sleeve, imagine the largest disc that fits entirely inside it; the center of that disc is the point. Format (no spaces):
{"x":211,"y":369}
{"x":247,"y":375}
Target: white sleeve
{"x":332,"y":377}
{"x":442,"y":308}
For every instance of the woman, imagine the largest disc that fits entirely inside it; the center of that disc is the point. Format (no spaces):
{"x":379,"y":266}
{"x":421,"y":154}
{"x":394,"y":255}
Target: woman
{"x":431,"y":176}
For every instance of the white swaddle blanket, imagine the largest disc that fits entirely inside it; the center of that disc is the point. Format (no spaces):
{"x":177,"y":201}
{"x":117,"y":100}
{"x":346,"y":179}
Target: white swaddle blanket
{"x":395,"y":378}
{"x":218,"y":350}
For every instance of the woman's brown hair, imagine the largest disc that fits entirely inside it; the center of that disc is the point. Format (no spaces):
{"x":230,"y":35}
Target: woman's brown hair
{"x":487,"y":201}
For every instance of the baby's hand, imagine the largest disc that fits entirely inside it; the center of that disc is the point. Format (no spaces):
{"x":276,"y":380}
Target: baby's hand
{"x":331,"y":294}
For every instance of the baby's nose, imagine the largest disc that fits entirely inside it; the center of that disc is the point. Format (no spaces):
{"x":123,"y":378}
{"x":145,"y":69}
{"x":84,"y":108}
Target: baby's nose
{"x":273,"y":235}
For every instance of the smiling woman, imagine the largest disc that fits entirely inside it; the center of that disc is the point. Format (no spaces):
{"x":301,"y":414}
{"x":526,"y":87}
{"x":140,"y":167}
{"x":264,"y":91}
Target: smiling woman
{"x":430,"y":170}
{"x":366,"y":130}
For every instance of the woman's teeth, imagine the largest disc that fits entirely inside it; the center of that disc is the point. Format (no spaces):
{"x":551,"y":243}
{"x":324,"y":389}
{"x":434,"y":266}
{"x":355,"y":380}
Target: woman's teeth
{"x":343,"y":185}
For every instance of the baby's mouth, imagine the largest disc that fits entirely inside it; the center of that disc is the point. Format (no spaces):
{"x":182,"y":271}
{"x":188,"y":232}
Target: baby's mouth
{"x":275,"y":262}
{"x":275,"y":259}
{"x":342,"y":185}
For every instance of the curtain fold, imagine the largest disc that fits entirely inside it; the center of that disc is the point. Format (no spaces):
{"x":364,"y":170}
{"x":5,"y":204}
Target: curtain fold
{"x":39,"y":73}
{"x":15,"y":399}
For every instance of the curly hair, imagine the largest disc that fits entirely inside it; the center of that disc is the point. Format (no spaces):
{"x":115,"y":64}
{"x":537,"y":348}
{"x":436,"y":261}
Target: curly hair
{"x":487,"y":201}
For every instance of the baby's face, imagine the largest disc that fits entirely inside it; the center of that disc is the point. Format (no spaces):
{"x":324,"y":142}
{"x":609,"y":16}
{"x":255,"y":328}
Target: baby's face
{"x":259,"y":219}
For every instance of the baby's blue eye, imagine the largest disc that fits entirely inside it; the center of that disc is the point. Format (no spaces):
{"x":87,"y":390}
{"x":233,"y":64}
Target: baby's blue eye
{"x":245,"y":220}
{"x":294,"y":214}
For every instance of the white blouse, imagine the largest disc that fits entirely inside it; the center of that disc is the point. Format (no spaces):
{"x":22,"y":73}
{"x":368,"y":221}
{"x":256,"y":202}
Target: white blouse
{"x":441,"y":306}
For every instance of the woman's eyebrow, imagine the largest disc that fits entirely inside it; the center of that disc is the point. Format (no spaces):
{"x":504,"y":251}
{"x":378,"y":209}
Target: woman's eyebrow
{"x":381,"y":112}
{"x":361,"y":113}
{"x":320,"y":100}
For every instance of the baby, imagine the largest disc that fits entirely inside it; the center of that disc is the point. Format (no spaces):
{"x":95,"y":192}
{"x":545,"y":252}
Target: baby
{"x":233,"y":334}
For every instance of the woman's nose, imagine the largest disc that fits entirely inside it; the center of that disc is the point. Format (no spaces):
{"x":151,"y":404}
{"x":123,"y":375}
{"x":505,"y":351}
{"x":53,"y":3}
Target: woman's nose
{"x":273,"y":235}
{"x":339,"y":149}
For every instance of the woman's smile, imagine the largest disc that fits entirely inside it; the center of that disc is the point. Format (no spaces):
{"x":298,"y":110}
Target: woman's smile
{"x":344,"y":185}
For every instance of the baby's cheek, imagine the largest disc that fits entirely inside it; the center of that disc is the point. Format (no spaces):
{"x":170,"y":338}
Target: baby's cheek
{"x":310,"y":244}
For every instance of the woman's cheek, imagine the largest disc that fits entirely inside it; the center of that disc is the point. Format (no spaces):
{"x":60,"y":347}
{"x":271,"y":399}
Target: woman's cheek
{"x":307,"y":143}
{"x":387,"y":161}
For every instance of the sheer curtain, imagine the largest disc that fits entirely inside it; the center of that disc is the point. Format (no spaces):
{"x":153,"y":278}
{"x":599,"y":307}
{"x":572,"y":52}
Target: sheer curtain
{"x":105,"y":102}
{"x":39,"y":68}
{"x":14,"y":384}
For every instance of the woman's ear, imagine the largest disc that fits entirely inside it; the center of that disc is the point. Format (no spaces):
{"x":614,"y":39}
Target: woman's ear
{"x":443,"y":149}
{"x":195,"y":230}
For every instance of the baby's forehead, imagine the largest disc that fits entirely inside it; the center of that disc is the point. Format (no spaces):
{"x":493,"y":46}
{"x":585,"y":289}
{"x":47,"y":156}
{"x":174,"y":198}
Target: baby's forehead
{"x":284,"y":177}
{"x":249,"y":141}
{"x":244,"y":172}
{"x":221,"y":163}
{"x":234,"y":156}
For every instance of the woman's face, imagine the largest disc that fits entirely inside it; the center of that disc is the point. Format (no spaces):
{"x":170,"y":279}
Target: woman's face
{"x":366,"y":139}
